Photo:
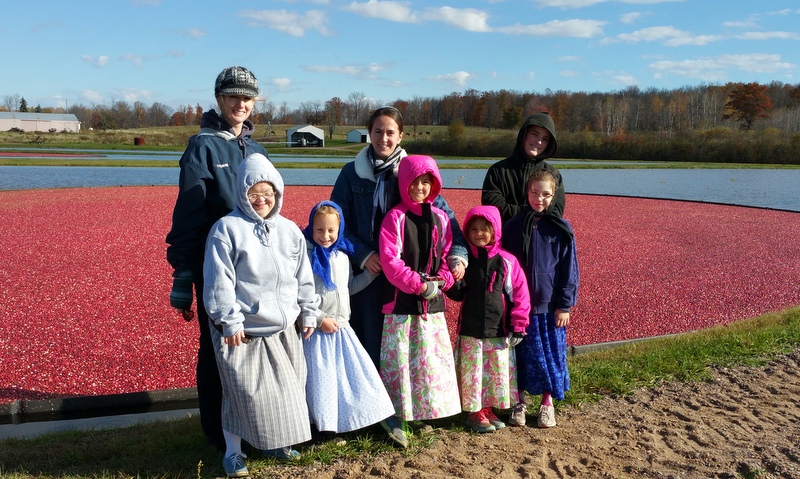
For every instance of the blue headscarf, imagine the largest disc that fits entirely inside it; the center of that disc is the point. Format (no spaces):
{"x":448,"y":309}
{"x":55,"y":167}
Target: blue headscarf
{"x":319,"y":256}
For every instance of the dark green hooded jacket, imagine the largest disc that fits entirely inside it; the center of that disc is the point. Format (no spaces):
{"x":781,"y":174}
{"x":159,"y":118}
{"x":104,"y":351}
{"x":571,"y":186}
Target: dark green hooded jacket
{"x":504,"y":185}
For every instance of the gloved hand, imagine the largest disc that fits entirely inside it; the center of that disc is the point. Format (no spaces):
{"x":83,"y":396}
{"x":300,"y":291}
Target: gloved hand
{"x":181,"y":295}
{"x":431,"y":291}
{"x":514,"y":339}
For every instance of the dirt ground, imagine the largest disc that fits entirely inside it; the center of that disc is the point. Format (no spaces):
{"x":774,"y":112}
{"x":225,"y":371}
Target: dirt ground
{"x":743,"y":424}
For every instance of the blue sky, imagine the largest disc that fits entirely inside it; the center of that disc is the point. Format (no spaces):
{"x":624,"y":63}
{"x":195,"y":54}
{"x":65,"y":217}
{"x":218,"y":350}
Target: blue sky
{"x":168,"y":51}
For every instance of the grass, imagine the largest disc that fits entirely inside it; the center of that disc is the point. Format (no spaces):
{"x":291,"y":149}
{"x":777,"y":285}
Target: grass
{"x":177,"y":448}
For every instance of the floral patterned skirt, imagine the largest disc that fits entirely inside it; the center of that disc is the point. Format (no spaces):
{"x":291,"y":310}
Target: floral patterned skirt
{"x":486,"y":373}
{"x":418,"y":368}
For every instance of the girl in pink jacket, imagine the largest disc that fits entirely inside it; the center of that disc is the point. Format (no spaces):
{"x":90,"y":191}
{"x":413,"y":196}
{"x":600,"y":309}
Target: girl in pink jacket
{"x":417,"y":365}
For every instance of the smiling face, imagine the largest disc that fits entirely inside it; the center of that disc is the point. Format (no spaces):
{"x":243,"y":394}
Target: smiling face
{"x":480,"y":232}
{"x":420,"y":188}
{"x":536,"y":141}
{"x":236,"y":109}
{"x":262,"y":198}
{"x":325,"y":229}
{"x":540,"y":194}
{"x":385,"y":135}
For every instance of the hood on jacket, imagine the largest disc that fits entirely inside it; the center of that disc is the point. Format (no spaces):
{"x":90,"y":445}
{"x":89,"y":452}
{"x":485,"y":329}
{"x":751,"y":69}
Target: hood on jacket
{"x":411,"y":167}
{"x":255,"y":169}
{"x":544,"y":120}
{"x":492,"y":215}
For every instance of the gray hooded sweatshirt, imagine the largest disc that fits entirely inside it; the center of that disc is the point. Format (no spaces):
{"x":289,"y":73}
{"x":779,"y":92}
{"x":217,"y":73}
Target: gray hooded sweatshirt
{"x":257,"y":275}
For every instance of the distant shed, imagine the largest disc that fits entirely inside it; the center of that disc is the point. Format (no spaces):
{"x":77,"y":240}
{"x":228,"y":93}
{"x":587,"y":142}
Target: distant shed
{"x":305,"y":135}
{"x":39,"y":121}
{"x":358,"y":135}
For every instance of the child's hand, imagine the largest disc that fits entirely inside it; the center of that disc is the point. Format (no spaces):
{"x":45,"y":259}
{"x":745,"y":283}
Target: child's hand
{"x":236,"y":340}
{"x":373,"y":263}
{"x":562,"y":318}
{"x":307,"y":332}
{"x":458,"y":271}
{"x":329,"y":325}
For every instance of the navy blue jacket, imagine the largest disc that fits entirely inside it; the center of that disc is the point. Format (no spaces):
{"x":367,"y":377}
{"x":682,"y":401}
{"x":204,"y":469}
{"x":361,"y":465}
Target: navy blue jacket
{"x":207,"y":188}
{"x":551,"y":267}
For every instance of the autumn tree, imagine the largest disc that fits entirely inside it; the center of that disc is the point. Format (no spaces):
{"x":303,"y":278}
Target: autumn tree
{"x":746,"y":103}
{"x":334,"y":113}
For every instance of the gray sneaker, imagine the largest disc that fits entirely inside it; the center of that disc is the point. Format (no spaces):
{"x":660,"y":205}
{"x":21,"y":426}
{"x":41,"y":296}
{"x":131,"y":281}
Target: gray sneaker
{"x":547,"y":417}
{"x":518,"y":415}
{"x":394,"y":428}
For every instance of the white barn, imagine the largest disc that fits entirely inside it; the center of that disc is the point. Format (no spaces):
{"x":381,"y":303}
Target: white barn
{"x":39,"y":121}
{"x":305,"y":135}
{"x":358,"y":135}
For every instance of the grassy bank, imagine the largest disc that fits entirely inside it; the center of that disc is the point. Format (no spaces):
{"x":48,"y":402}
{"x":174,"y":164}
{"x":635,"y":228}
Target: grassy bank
{"x":177,"y":448}
{"x":718,"y":145}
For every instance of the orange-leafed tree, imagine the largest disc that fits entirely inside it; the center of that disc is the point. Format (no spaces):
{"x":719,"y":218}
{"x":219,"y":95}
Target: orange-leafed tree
{"x":746,"y":103}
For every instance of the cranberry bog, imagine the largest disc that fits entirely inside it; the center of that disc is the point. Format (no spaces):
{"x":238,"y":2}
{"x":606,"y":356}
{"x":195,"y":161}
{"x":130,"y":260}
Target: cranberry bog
{"x":84,"y":283}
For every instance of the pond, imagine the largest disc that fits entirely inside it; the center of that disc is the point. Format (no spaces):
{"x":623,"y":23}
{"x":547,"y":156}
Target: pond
{"x":776,"y":189}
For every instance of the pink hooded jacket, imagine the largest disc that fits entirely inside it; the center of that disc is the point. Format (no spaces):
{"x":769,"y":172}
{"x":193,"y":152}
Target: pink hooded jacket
{"x":405,"y":258}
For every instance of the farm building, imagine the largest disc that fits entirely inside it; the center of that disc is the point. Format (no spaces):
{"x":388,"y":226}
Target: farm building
{"x":39,"y":121}
{"x":305,"y":135}
{"x":358,"y":135}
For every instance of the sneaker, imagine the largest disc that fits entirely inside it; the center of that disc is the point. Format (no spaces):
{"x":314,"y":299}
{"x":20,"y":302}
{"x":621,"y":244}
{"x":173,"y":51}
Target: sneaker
{"x":234,"y":465}
{"x":421,"y":427}
{"x":478,"y":422}
{"x":493,"y":420}
{"x":394,"y":428}
{"x":283,"y":454}
{"x":518,"y":415}
{"x":547,"y":416}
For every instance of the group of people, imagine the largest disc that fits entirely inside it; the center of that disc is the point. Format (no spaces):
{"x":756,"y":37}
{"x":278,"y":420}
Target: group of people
{"x":341,"y":325}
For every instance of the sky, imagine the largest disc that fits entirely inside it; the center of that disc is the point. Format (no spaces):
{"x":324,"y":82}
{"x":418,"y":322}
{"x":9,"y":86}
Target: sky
{"x":59,"y":54}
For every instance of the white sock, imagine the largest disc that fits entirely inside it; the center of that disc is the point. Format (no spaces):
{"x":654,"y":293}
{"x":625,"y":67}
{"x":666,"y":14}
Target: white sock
{"x":233,"y":443}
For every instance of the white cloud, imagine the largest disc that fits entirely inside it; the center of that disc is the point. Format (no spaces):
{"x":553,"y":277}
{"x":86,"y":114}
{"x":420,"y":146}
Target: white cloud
{"x":135,"y":59}
{"x":98,"y":62}
{"x":469,"y":19}
{"x":291,"y":23}
{"x":358,"y":71}
{"x":92,"y":97}
{"x":558,"y":28}
{"x":670,"y":36}
{"x":385,"y":10}
{"x":194,"y":33}
{"x":629,"y":18}
{"x":769,"y":36}
{"x":131,"y":95}
{"x":458,"y":78}
{"x":588,"y":3}
{"x":281,"y":84}
{"x":625,"y":79}
{"x":716,"y":69}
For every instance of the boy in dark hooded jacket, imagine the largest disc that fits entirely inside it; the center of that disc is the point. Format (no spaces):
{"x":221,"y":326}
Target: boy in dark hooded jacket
{"x":504,"y":184}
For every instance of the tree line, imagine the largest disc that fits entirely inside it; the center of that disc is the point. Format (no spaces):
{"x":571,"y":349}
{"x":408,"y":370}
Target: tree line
{"x":629,"y":111}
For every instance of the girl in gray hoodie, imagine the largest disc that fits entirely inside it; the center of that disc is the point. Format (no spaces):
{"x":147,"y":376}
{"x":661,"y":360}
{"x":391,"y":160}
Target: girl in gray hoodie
{"x":258,"y":282}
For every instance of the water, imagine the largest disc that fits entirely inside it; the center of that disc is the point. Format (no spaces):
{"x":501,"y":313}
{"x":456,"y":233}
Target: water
{"x":777,"y":189}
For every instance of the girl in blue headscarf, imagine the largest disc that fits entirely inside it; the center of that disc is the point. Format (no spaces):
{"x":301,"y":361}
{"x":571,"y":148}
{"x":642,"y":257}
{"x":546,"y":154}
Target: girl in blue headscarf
{"x":343,"y":389}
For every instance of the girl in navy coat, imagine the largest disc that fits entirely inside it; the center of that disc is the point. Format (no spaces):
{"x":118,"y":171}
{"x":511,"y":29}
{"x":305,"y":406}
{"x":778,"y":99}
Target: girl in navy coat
{"x":544,"y":244}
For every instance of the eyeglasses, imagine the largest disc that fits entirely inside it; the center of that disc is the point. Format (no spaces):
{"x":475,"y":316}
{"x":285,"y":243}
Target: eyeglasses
{"x":253,"y":197}
{"x":544,"y":196}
